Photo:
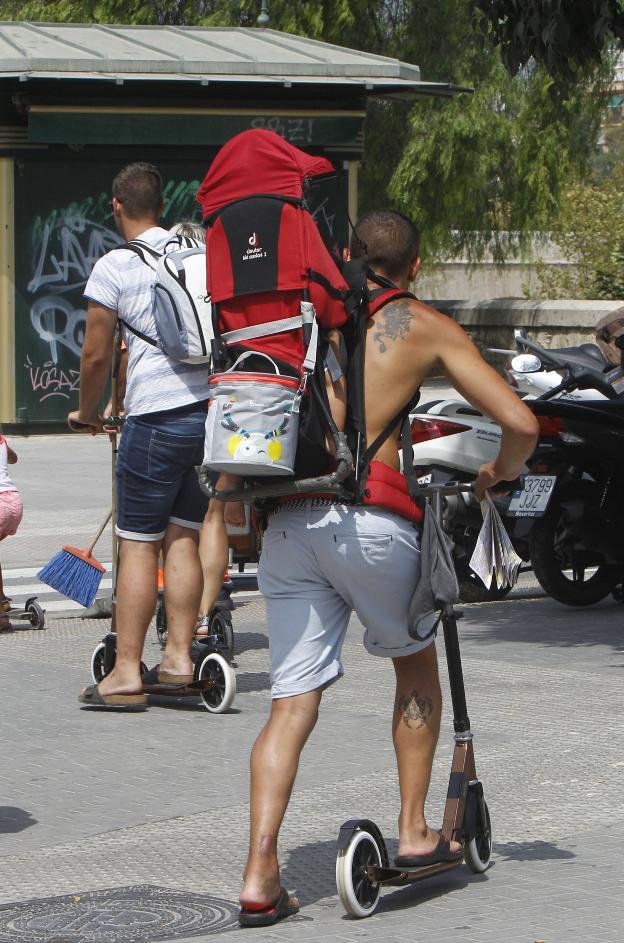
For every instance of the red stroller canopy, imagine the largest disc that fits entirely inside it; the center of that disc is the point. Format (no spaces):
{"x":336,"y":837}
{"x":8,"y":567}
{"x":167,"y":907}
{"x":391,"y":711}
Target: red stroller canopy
{"x":257,"y":161}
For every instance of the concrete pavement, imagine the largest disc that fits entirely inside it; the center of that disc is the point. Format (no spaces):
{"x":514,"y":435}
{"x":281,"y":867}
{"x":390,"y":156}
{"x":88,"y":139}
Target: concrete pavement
{"x":124,"y":804}
{"x":120,"y":828}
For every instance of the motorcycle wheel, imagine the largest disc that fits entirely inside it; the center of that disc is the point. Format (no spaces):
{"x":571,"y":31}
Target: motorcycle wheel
{"x":553,"y":552}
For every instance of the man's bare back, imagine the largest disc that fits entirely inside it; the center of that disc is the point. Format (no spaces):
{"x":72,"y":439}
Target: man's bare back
{"x":405,"y":339}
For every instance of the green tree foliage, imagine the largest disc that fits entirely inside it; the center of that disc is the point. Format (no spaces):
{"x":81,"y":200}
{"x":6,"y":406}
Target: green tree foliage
{"x":590,"y":233}
{"x":474,"y":171}
{"x":560,"y":35}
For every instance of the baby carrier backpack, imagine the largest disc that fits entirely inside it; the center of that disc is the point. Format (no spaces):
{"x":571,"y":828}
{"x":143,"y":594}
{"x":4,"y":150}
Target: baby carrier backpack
{"x":180,"y":302}
{"x":276,"y":290}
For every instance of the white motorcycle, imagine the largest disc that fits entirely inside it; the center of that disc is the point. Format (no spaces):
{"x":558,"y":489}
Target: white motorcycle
{"x":451,"y":440}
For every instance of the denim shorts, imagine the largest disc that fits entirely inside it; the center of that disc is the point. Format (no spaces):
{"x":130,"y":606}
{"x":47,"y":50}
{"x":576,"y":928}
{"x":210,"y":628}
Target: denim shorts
{"x":319,"y":563}
{"x":156,"y":478}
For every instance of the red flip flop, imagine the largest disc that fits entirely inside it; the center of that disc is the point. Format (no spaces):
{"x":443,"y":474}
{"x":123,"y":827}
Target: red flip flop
{"x":265,"y":915}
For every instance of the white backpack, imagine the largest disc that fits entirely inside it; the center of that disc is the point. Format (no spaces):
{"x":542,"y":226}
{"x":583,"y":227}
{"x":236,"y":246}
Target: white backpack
{"x":180,"y":303}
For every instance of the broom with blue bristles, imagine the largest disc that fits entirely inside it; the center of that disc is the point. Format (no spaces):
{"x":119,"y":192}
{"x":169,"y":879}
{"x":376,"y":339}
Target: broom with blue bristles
{"x":75,"y":573}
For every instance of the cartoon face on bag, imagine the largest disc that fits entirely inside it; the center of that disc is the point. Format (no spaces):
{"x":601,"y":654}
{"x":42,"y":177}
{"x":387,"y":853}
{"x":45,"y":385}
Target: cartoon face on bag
{"x":245,"y":445}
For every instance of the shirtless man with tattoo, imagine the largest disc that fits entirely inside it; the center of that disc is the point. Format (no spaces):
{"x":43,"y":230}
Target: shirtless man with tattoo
{"x":321,"y":559}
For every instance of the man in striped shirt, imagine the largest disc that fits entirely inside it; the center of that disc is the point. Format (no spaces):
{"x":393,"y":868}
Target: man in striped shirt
{"x":159,"y":503}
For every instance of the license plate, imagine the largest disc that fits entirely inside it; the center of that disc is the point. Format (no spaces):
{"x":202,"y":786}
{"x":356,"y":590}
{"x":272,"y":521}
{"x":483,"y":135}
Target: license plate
{"x":533,"y":501}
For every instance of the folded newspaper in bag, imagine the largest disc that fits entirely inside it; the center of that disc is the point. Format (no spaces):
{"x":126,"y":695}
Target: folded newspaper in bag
{"x":437,"y":586}
{"x":494,"y":557}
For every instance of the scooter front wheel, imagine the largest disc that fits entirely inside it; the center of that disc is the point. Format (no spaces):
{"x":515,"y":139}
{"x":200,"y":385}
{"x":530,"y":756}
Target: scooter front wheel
{"x":222,"y":692}
{"x":358,"y":894}
{"x":97,"y":662}
{"x":478,"y":851}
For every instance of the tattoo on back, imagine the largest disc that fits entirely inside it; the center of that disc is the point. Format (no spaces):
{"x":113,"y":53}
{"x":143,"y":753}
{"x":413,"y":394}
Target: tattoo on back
{"x":415,"y":709}
{"x":393,"y":323}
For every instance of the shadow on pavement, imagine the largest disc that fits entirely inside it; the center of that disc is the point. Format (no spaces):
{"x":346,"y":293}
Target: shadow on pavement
{"x":531,"y":851}
{"x":248,"y":681}
{"x":14,"y":819}
{"x":547,"y":622}
{"x":249,"y":641}
{"x":429,"y":889}
{"x":310,"y":870}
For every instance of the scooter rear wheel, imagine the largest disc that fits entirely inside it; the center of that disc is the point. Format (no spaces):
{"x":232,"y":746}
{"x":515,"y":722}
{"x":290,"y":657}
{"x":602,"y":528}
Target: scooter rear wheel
{"x":478,"y":851}
{"x":358,"y":894}
{"x":36,"y":614}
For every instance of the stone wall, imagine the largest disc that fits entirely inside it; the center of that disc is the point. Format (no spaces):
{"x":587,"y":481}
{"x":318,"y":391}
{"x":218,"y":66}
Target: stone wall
{"x":549,"y":323}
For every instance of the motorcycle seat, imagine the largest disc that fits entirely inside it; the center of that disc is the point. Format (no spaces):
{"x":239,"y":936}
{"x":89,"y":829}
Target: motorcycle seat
{"x":588,"y":354}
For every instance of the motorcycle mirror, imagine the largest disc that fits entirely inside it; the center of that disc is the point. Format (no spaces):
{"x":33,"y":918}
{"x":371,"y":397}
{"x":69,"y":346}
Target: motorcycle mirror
{"x":526,"y":363}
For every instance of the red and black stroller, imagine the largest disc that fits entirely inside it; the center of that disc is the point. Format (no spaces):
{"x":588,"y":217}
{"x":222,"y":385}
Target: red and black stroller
{"x":276,"y":290}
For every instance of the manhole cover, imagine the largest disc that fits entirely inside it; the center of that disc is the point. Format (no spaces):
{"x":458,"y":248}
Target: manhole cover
{"x":119,"y":915}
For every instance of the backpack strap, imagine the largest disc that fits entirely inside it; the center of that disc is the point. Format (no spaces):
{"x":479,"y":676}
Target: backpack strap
{"x":150,"y":257}
{"x":145,"y":252}
{"x":380,"y":297}
{"x":399,"y":419}
{"x":139,"y":334}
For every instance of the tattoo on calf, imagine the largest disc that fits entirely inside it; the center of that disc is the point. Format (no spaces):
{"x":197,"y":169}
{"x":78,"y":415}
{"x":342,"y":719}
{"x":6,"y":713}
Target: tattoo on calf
{"x":415,"y":709}
{"x":395,"y":322}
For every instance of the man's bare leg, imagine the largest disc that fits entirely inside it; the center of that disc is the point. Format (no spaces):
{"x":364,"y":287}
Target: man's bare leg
{"x":213,"y":552}
{"x":183,"y":586}
{"x":415,"y":730}
{"x":136,"y":602}
{"x":274,"y":763}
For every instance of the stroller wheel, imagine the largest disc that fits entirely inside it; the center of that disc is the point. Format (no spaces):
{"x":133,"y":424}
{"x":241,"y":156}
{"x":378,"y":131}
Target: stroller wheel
{"x":358,"y":894}
{"x":221,"y":627}
{"x":36,"y":613}
{"x":220,"y":695}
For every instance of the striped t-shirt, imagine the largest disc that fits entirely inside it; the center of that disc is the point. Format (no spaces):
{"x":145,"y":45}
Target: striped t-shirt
{"x":122,"y":281}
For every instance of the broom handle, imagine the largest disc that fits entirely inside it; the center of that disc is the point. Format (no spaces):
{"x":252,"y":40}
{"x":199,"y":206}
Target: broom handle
{"x":89,"y":550}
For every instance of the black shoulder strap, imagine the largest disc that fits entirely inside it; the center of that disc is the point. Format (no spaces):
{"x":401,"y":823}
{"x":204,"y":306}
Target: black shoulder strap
{"x":400,"y":419}
{"x":143,"y":250}
{"x":140,"y":334}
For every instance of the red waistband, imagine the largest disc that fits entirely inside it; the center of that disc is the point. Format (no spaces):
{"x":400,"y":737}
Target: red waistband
{"x":387,"y":488}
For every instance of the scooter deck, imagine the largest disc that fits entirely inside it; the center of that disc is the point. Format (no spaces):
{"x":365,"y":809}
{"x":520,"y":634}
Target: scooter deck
{"x":398,"y":876}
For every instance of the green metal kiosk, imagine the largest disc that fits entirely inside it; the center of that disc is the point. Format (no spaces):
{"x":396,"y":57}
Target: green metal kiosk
{"x":78,"y":102}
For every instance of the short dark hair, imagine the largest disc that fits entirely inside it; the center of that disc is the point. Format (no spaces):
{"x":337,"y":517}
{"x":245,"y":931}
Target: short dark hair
{"x":389,"y":239}
{"x":139,"y":188}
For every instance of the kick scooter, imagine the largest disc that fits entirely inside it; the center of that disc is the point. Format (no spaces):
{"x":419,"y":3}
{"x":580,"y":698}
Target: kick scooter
{"x":362,"y":863}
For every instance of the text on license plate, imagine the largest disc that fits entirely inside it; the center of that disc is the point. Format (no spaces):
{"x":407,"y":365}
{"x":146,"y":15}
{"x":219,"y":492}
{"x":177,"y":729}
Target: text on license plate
{"x":533,"y":501}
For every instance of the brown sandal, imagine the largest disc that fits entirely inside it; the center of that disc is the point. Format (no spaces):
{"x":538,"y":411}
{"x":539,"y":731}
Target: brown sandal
{"x":92,"y":697}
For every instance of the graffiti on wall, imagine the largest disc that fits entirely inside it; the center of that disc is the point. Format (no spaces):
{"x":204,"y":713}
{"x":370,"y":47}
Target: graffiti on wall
{"x":66,"y":244}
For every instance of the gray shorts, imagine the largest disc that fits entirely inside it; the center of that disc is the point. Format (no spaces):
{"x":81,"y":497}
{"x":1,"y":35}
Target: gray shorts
{"x":318,"y":564}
